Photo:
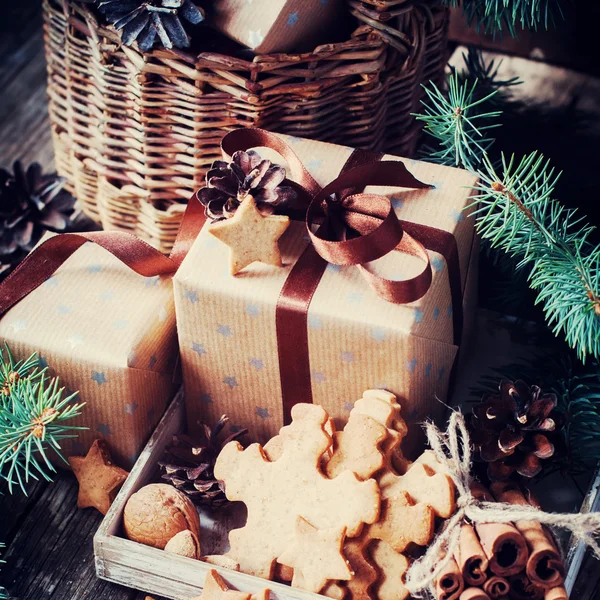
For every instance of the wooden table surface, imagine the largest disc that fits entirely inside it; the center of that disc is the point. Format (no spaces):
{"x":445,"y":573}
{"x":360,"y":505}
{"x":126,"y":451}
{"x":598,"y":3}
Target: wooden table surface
{"x":49,"y":541}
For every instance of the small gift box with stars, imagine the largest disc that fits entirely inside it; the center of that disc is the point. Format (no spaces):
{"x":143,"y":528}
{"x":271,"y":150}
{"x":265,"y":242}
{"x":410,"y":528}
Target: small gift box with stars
{"x":108,"y":333}
{"x":277,"y":25}
{"x":229,"y":327}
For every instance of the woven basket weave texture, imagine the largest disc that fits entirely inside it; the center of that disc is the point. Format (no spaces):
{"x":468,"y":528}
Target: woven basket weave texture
{"x":134,"y":133}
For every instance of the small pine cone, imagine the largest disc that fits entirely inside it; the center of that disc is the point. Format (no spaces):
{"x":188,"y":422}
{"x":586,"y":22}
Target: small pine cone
{"x":189,"y":464}
{"x":512,"y":430}
{"x":228,"y":184}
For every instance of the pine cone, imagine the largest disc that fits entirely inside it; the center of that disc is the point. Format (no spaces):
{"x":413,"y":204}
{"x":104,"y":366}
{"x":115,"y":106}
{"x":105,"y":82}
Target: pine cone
{"x":145,"y":20}
{"x":228,"y":184}
{"x":30,"y":203}
{"x":510,"y":430}
{"x":189,"y":465}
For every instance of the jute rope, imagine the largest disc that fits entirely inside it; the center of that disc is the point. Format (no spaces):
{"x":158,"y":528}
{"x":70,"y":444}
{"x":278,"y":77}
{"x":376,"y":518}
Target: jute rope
{"x":453,"y":451}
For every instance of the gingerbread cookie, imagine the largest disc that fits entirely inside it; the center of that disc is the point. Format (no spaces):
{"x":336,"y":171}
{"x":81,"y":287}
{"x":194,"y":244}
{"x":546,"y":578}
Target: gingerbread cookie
{"x":276,"y":493}
{"x":392,"y":567}
{"x":365,"y":574}
{"x":216,"y":588}
{"x":316,"y":556}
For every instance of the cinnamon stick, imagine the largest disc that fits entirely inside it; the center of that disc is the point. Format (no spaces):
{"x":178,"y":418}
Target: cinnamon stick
{"x":474,"y":593}
{"x":496,"y":587}
{"x":545,"y":567}
{"x":521,"y":588}
{"x":503,"y":544}
{"x":470,"y":557}
{"x":450,"y":583}
{"x":557,"y":593}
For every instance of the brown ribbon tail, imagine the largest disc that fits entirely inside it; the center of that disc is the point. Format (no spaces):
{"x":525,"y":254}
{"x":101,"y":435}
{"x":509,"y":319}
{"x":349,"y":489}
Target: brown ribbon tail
{"x":191,"y":224}
{"x":43,"y":262}
{"x":244,"y":139}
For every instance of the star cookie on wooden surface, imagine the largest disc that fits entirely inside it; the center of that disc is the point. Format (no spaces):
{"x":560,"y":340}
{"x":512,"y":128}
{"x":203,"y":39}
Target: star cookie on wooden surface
{"x":316,"y":556}
{"x":99,"y":479}
{"x":251,"y":236}
{"x":216,"y":588}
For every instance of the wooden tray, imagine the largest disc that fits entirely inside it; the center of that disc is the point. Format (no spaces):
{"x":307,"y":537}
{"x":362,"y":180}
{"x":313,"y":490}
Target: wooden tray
{"x":154,"y":571}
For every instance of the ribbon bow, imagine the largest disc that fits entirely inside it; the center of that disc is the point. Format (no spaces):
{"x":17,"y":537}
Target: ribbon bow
{"x":346,"y":226}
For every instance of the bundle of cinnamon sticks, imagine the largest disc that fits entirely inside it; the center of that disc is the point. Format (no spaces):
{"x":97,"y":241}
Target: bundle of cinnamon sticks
{"x":502,"y":561}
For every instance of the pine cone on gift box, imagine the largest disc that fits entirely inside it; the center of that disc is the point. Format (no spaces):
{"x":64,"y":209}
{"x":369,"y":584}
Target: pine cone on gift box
{"x":510,"y":430}
{"x":228,"y":184}
{"x":146,"y":20}
{"x":30,"y":203}
{"x":189,"y":465}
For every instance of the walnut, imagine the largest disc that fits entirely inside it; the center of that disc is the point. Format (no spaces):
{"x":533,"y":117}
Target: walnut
{"x":185,"y":543}
{"x":158,"y":512}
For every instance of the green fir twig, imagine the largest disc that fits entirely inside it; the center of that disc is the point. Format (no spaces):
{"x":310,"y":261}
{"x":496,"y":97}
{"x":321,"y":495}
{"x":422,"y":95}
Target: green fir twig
{"x":33,"y":414}
{"x":515,"y":212}
{"x":494,"y":16}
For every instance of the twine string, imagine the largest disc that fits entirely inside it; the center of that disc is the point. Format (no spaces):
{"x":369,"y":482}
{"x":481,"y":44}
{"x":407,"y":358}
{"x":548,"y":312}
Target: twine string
{"x":452,"y":449}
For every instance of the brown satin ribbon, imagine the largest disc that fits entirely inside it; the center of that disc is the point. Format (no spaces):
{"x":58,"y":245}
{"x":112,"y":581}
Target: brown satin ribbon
{"x":346,"y":227}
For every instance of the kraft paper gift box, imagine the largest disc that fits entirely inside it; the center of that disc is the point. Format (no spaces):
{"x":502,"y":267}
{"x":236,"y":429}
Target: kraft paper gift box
{"x":108,"y":333}
{"x":357,"y":341}
{"x":271,"y":26}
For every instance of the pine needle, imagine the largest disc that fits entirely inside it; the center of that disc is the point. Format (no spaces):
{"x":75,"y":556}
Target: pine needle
{"x":33,"y":414}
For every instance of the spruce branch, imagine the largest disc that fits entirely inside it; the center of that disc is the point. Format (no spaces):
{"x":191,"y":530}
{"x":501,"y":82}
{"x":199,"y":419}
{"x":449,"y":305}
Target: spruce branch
{"x":33,"y":414}
{"x":492,"y":16}
{"x":515,"y":212}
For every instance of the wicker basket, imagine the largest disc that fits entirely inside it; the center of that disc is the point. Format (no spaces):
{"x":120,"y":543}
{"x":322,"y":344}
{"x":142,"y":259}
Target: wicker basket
{"x":134,"y":133}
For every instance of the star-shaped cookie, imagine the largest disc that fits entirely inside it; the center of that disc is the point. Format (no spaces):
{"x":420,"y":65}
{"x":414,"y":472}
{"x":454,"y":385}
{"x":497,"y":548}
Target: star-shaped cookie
{"x":99,"y":479}
{"x":251,"y":236}
{"x":316,"y":556}
{"x":216,"y":588}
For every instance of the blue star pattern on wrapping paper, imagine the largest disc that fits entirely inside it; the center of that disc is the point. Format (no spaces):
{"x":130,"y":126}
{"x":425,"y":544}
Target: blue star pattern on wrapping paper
{"x":449,"y":311}
{"x":99,"y":378}
{"x":318,"y":377}
{"x":198,"y":348}
{"x":152,"y":281}
{"x":94,"y":269}
{"x":437,"y":263}
{"x":231,"y":382}
{"x":355,"y":297}
{"x":104,"y":429}
{"x":257,"y":363}
{"x":348,"y":406}
{"x":456,"y":215}
{"x":378,"y":334}
{"x":263,"y":413}
{"x":347,"y":357}
{"x":411,"y":365}
{"x":62,"y":309}
{"x":418,"y":315}
{"x":252,"y":310}
{"x":206,"y":398}
{"x":19,"y":325}
{"x":441,"y":373}
{"x":293,"y":19}
{"x":107,"y":295}
{"x":333,"y":268}
{"x":224,"y":330}
{"x":191,"y":296}
{"x":314,"y":164}
{"x":152,"y":362}
{"x":130,"y":408}
{"x":52,"y":282}
{"x":314,"y":322}
{"x":428,"y":370}
{"x":121,"y":324}
{"x":42,"y":362}
{"x":397,"y":203}
{"x":436,"y":313}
